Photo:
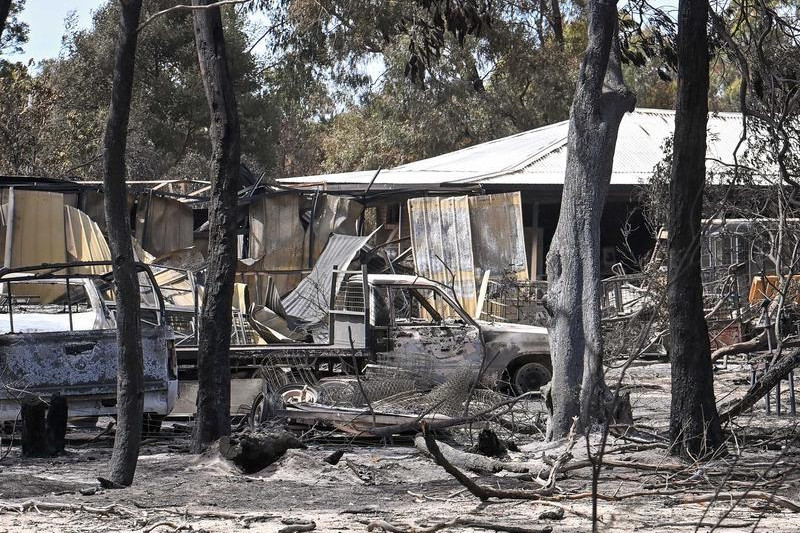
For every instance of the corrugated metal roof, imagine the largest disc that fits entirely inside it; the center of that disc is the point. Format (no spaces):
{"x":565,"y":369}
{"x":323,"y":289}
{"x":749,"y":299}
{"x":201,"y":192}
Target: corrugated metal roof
{"x":309,"y":302}
{"x":538,"y":157}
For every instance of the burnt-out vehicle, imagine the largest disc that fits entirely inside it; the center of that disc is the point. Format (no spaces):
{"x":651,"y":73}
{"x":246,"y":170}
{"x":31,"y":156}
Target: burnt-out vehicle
{"x":58,"y":337}
{"x":417,"y":319}
{"x":409,"y":333}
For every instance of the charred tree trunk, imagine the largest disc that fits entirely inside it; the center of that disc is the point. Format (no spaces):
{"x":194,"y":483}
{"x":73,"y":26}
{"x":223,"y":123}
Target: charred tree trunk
{"x":213,"y":360}
{"x":34,"y":430}
{"x":130,"y":394}
{"x":601,"y":99}
{"x":5,"y":8}
{"x":57,"y":415}
{"x":558,"y":26}
{"x":694,"y":423}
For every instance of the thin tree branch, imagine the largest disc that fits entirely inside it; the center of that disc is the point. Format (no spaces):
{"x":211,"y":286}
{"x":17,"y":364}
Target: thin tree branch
{"x":184,"y":7}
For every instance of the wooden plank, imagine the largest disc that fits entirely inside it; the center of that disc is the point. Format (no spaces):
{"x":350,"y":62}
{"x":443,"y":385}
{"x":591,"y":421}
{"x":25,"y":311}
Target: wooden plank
{"x":482,"y":294}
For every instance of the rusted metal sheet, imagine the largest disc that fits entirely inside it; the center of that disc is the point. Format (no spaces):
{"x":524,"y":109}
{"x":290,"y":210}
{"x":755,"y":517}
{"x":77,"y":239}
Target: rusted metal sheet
{"x":163,"y":225}
{"x":498,"y":235}
{"x":277,"y":238}
{"x":442,"y":240}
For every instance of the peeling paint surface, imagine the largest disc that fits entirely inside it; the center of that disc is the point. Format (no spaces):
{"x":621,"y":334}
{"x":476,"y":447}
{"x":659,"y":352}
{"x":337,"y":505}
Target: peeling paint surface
{"x":75,"y":363}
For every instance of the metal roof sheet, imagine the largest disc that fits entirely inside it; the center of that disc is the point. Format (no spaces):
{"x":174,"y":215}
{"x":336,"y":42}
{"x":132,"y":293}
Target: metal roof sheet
{"x":538,"y":157}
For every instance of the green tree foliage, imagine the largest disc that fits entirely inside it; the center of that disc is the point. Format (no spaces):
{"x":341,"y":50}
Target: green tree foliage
{"x":169,"y":116}
{"x":338,"y":85}
{"x":14,"y":33}
{"x":399,"y":87}
{"x":26,"y":104}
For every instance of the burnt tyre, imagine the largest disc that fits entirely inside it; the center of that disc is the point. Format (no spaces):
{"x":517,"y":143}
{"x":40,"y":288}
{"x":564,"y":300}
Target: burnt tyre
{"x":256,"y":415}
{"x":264,"y":407}
{"x":531,"y":377}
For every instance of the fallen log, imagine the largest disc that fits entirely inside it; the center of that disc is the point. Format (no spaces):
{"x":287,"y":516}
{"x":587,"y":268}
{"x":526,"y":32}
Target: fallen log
{"x":779,"y":370}
{"x":483,"y":492}
{"x":297,"y":526}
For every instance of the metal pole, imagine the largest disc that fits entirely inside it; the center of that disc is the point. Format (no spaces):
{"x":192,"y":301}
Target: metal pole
{"x":69,"y":305}
{"x":766,"y":368}
{"x":10,"y":309}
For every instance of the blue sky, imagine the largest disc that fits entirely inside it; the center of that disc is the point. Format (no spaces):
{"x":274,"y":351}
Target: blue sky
{"x":45,"y":19}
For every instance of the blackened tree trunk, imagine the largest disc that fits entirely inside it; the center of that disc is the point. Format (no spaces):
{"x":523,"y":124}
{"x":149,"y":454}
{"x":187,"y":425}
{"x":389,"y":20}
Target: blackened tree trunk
{"x":130,"y":378}
{"x":213,"y":360}
{"x":601,"y":99}
{"x":57,"y":415}
{"x":694,"y":423}
{"x":5,"y":8}
{"x":558,"y":26}
{"x":34,"y":429}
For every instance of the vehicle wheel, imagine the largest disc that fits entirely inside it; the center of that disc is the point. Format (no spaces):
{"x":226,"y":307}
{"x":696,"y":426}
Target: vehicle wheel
{"x":257,"y":411}
{"x":531,"y":377}
{"x":151,"y":423}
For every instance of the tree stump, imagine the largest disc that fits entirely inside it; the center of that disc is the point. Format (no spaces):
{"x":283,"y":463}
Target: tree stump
{"x":34,"y":430}
{"x":252,"y":452}
{"x":57,"y":424}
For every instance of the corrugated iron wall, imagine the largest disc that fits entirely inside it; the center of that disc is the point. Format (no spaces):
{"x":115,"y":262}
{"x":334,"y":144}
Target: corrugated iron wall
{"x":456,"y":239}
{"x":442,"y":240}
{"x":498,"y":235}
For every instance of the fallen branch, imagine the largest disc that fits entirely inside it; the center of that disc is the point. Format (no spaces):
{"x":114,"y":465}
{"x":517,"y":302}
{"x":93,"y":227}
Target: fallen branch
{"x":483,"y":492}
{"x":225,"y":515}
{"x":613,"y":463}
{"x":298,"y":526}
{"x":97,"y":437}
{"x":184,"y":7}
{"x":468,"y":522}
{"x":624,"y":496}
{"x":780,"y":501}
{"x":736,"y":525}
{"x":772,"y":377}
{"x":473,"y":461}
{"x":171,"y":525}
{"x":34,"y":505}
{"x":740,"y":347}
